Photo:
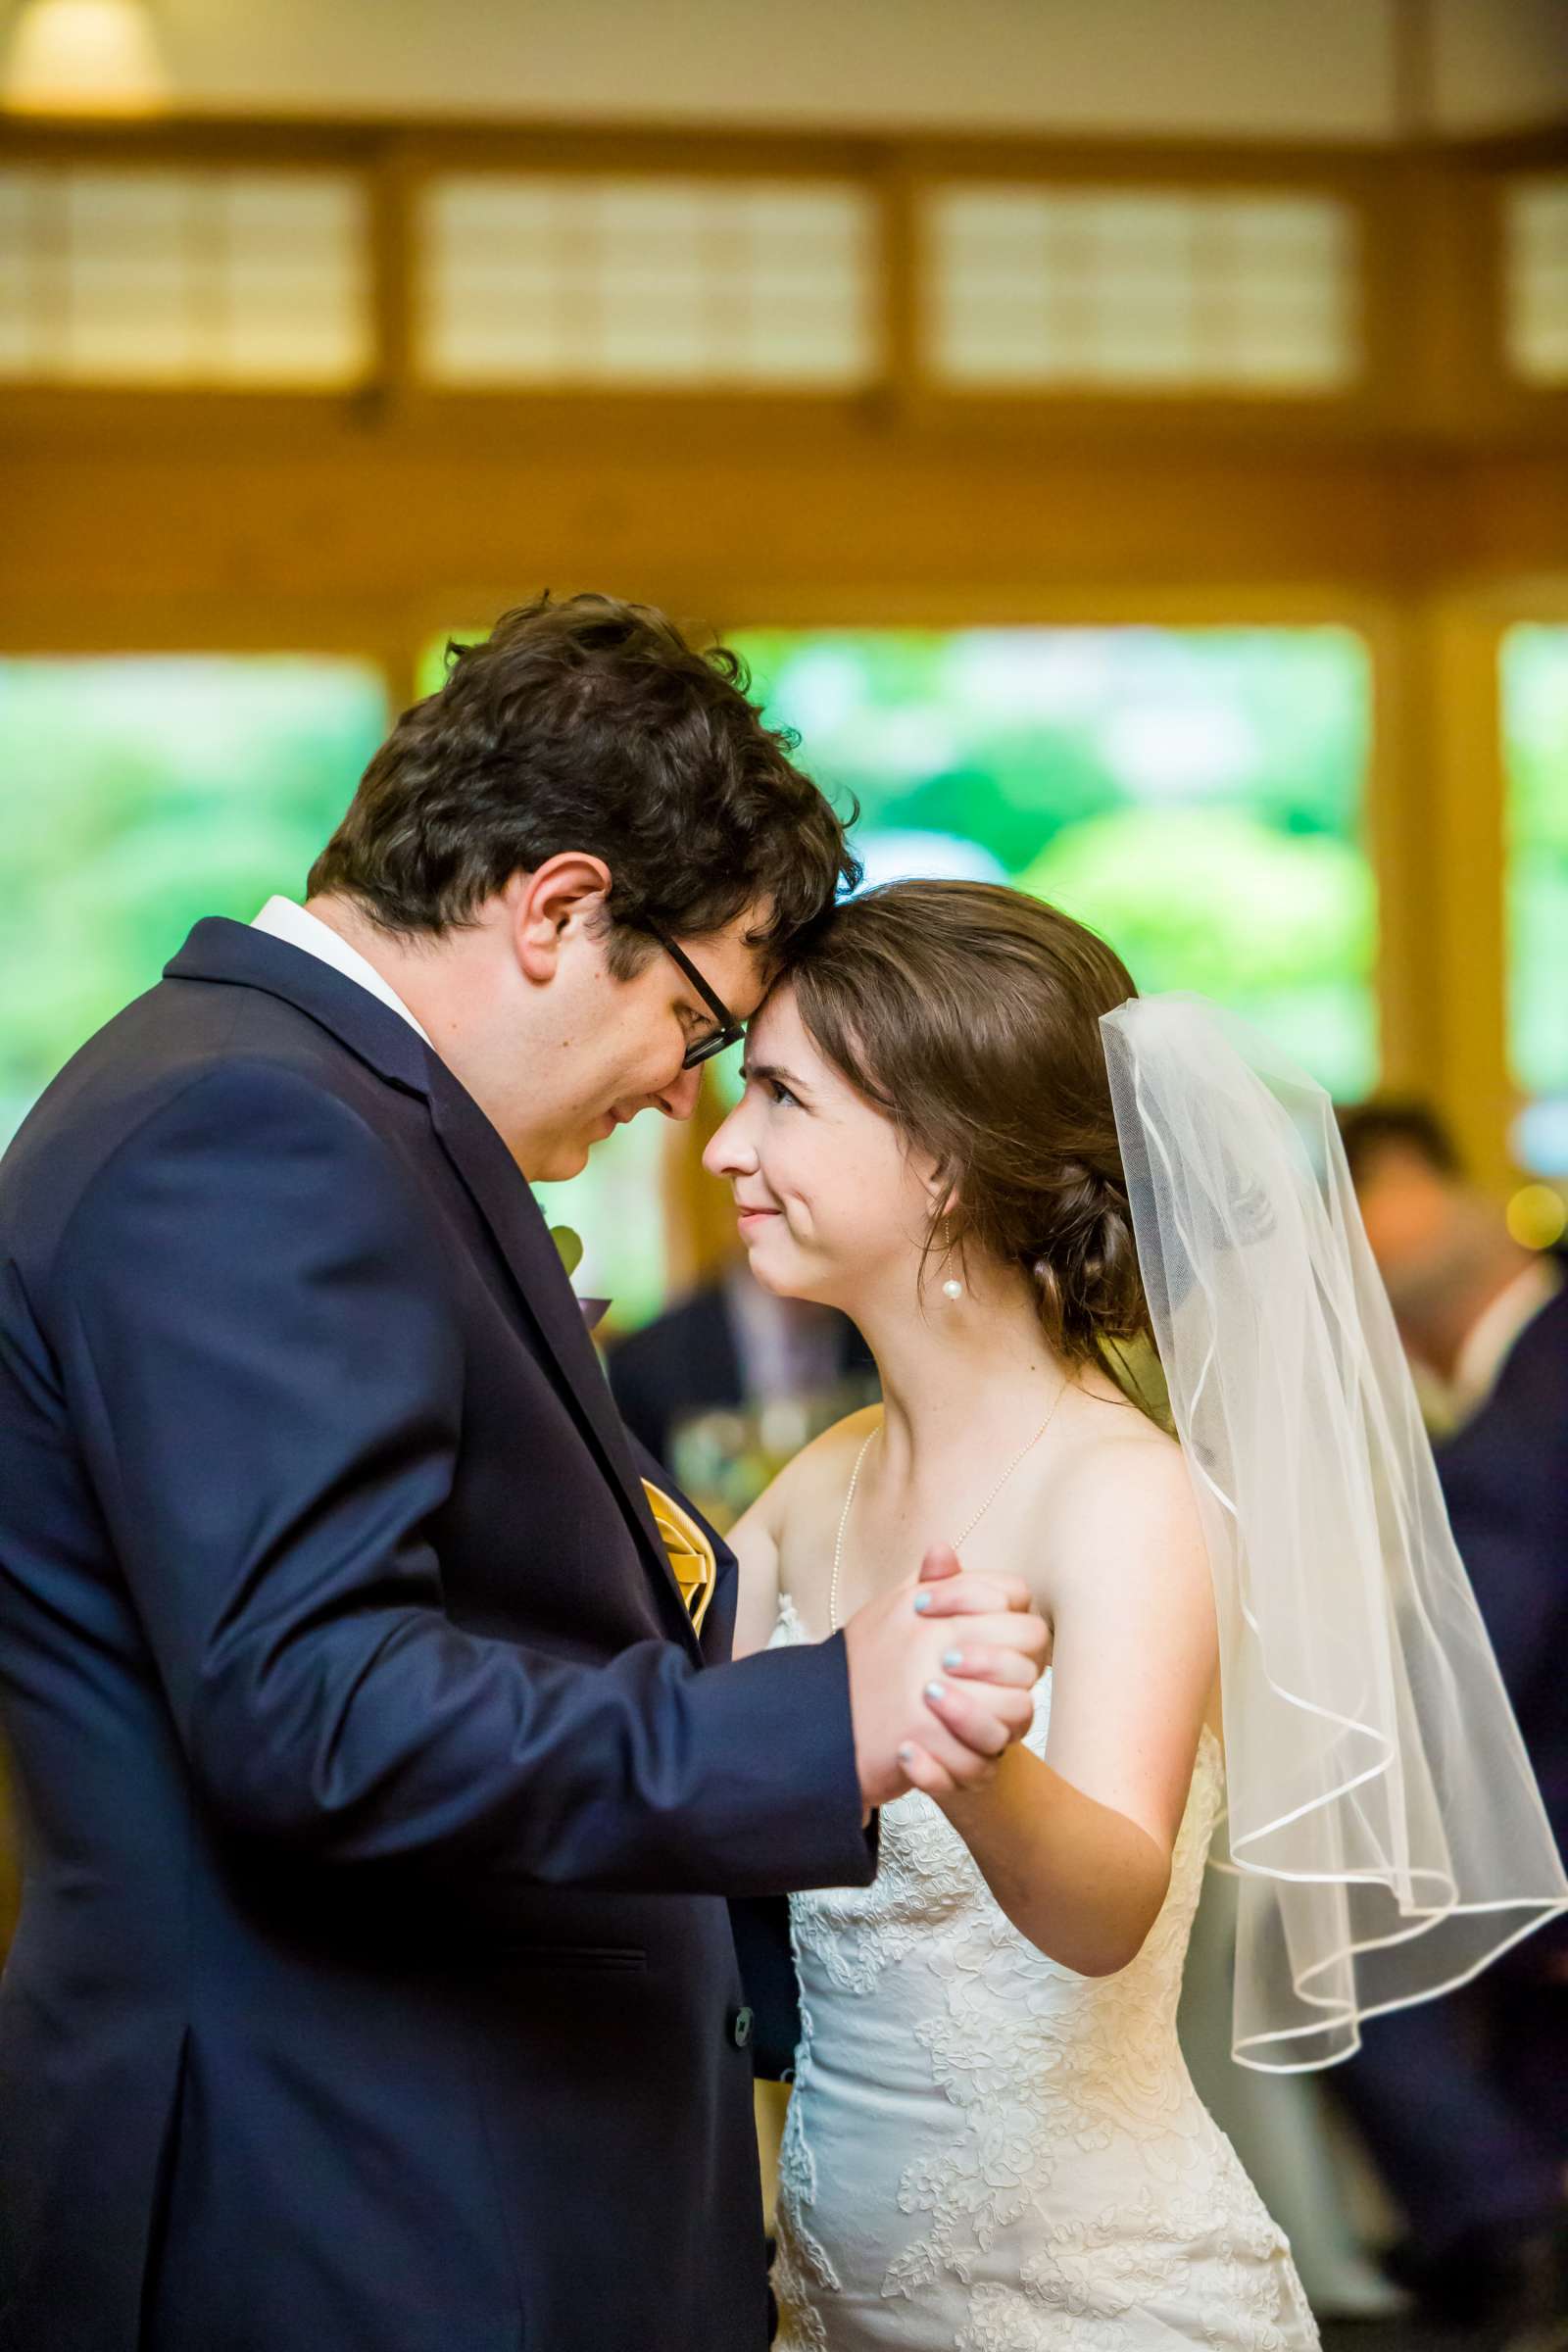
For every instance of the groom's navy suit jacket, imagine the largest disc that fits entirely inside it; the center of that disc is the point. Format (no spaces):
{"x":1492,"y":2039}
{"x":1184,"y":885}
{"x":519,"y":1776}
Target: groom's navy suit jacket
{"x":374,"y":1989}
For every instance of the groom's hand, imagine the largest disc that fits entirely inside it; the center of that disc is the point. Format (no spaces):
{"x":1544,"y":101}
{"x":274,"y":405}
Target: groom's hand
{"x":942,"y":1675}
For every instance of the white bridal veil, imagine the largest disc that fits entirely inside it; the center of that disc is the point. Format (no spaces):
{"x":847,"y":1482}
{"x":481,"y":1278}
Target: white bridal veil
{"x":1384,"y":1818}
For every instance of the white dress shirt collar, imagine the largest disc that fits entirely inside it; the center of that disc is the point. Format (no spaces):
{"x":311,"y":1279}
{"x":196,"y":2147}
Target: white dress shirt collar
{"x":1492,"y":1338}
{"x":302,"y":929}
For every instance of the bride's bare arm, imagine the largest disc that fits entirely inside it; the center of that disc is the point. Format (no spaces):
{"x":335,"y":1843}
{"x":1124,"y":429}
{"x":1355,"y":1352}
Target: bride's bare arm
{"x":754,"y":1540}
{"x":1077,"y":1847}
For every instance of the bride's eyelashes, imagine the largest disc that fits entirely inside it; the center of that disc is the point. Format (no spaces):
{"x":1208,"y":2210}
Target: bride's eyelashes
{"x":774,"y":1087}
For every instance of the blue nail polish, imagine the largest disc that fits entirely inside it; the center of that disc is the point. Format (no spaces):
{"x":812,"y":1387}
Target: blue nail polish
{"x":952,"y":1659}
{"x":922,"y":1601}
{"x":906,"y":1754}
{"x":936,"y":1690}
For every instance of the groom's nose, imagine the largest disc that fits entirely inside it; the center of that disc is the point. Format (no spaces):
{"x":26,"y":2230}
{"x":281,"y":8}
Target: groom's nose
{"x":679,"y":1100}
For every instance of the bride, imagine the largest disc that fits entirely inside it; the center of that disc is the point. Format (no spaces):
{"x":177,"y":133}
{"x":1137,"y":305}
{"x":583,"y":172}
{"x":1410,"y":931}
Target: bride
{"x":993,"y":2143}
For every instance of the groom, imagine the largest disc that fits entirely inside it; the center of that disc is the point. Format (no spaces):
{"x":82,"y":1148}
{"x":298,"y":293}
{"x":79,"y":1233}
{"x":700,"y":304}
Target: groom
{"x":375,"y":1989}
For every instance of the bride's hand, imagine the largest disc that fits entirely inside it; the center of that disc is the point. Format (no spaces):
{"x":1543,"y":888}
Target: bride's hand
{"x":977,"y":1660}
{"x":904,"y":1695}
{"x":942,"y":1565}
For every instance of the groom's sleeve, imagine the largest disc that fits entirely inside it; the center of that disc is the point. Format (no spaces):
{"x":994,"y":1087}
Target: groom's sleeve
{"x":263,"y":1368}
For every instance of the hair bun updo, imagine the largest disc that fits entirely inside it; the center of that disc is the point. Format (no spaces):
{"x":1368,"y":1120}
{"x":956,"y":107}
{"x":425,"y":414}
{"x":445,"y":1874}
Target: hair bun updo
{"x":969,"y":1014}
{"x":1085,"y":1267}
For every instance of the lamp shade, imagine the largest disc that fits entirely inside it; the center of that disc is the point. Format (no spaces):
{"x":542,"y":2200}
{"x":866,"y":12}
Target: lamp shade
{"x":85,"y":56}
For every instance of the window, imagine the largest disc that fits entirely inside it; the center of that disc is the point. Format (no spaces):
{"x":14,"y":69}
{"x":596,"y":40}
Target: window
{"x":1153,"y":291}
{"x":138,"y":794}
{"x":1195,"y":795}
{"x":1535,"y":278}
{"x":529,"y":280}
{"x":1534,"y":724}
{"x":172,"y":277}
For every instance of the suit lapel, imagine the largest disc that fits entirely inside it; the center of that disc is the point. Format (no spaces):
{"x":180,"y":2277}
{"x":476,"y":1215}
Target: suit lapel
{"x":509,"y":1209}
{"x":223,"y":952}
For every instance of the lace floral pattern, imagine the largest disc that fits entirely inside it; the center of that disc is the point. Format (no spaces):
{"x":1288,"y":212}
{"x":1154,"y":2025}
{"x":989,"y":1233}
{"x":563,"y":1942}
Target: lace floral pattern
{"x":988,"y":2152}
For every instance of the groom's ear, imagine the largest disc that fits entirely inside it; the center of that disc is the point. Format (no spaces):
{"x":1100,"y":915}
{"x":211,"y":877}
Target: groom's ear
{"x":543,"y":906}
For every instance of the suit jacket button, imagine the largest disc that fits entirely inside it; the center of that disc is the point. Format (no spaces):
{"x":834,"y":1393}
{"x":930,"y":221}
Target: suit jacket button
{"x":740,"y":2021}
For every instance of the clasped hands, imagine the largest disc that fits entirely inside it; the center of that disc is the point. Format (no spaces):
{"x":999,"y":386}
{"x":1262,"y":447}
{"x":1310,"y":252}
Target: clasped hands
{"x":942,"y":1676}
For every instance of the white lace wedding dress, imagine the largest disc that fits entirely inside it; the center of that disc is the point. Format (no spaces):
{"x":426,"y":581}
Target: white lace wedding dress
{"x":988,"y":2153}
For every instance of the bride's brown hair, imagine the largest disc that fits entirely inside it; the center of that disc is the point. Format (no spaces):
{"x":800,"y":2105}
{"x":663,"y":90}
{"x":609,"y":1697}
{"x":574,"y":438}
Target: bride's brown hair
{"x":969,"y":1014}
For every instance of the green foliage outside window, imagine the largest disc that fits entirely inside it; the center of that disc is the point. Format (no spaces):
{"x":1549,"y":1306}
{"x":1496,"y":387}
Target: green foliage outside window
{"x":138,"y":794}
{"x":1534,"y":720}
{"x":1195,"y":795}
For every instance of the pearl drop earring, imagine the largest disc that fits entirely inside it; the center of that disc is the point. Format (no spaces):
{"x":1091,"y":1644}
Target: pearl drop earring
{"x":953,"y":1287}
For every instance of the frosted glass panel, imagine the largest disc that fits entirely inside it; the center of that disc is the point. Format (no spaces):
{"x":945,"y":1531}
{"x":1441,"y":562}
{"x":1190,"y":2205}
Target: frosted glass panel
{"x":534,"y":280}
{"x":23,"y":313}
{"x":291,"y":300}
{"x":1141,"y":291}
{"x":129,"y":306}
{"x":184,"y":277}
{"x":1535,"y":278}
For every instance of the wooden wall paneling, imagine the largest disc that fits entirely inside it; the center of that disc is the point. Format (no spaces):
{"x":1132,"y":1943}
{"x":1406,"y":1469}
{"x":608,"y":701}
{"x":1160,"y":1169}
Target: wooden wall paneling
{"x":1466,"y":380}
{"x":356,"y":520}
{"x":615,"y":149}
{"x":1456,"y":649}
{"x":161,"y":140}
{"x":900,"y":399}
{"x":1412,"y":981}
{"x":1446,"y":386}
{"x":391,"y":183}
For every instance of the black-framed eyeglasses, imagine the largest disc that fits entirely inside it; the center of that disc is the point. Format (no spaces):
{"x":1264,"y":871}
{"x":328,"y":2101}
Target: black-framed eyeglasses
{"x":729,"y":1032}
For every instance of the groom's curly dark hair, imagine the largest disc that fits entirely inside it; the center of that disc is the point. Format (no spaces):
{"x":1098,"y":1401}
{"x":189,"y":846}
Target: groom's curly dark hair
{"x":586,"y":724}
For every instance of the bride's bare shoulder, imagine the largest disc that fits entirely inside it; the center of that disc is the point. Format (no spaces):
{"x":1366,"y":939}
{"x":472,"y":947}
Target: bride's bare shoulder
{"x":823,"y":1470}
{"x":804,"y":1503}
{"x":1123,"y":1477}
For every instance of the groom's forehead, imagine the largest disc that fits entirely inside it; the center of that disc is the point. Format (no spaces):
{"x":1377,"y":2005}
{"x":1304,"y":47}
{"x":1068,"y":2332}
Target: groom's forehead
{"x":741,"y":971}
{"x":753,"y":995}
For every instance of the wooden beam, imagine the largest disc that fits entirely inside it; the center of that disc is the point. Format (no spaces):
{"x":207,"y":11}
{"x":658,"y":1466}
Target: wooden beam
{"x":99,"y":540}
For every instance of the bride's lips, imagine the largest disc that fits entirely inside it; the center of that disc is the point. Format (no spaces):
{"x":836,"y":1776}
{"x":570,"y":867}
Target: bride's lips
{"x":745,"y":1215}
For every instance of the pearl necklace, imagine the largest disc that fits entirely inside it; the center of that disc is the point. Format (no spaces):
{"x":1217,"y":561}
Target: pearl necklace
{"x":1017,"y":1463}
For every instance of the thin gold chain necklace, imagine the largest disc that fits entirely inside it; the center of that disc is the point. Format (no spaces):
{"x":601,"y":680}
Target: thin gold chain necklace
{"x":1017,"y":1463}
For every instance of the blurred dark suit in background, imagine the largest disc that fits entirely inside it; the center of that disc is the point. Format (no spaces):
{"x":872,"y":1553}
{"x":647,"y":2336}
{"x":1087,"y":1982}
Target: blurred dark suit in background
{"x":10,"y":1859}
{"x":732,"y":1348}
{"x":1464,"y":2100}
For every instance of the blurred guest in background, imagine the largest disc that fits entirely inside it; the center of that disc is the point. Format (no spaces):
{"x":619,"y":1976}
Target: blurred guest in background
{"x":730,"y":1382}
{"x":1462,"y":1289}
{"x":733,"y":1348}
{"x":1464,"y":2101}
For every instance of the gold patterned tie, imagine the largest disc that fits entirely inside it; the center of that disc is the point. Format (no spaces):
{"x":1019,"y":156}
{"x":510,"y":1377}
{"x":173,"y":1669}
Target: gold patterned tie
{"x":691,"y":1555}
